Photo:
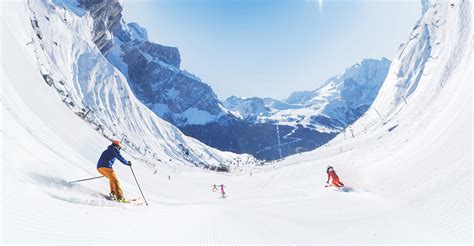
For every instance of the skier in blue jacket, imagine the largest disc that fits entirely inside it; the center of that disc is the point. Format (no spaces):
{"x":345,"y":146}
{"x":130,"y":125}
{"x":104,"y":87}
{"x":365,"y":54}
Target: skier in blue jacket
{"x":104,"y":166}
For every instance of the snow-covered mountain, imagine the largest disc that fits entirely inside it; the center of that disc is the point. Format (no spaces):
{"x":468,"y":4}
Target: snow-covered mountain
{"x":438,"y":50}
{"x":346,"y":96}
{"x":153,"y":70}
{"x":249,"y":109}
{"x":154,"y":75}
{"x":340,"y":101}
{"x":271,"y":129}
{"x":66,"y":52}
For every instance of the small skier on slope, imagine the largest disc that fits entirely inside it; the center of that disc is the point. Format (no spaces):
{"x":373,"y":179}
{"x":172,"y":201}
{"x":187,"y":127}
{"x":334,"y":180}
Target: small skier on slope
{"x":104,"y":166}
{"x":214,"y":188}
{"x":332,"y":175}
{"x":222,"y":191}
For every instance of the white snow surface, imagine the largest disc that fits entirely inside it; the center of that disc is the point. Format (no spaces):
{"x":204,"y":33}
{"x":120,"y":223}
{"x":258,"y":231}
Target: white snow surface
{"x":409,"y":169}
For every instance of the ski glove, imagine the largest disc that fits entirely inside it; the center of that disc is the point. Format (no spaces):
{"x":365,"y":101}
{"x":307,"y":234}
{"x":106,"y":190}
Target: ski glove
{"x":129,"y":163}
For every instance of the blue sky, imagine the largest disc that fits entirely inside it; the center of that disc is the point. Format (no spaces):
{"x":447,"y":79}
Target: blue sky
{"x":270,"y":48}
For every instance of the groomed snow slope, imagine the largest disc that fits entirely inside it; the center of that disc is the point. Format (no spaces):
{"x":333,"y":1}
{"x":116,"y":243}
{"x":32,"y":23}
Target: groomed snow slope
{"x":410,"y":184}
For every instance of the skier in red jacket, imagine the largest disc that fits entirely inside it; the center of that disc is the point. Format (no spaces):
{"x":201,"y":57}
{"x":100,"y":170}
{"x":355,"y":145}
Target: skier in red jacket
{"x":332,"y":175}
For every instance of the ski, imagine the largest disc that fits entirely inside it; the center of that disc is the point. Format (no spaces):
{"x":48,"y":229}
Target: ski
{"x":341,"y":189}
{"x":133,"y":201}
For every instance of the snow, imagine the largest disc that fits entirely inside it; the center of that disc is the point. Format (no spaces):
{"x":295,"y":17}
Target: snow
{"x":246,"y":108}
{"x":138,"y":32}
{"x":410,"y":184}
{"x":340,"y":100}
{"x":115,"y":57}
{"x":356,"y":87}
{"x":160,"y":108}
{"x":72,"y":5}
{"x":172,"y":93}
{"x":195,"y":116}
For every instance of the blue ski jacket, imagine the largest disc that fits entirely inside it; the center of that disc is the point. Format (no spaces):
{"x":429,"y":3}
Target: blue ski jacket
{"x":108,"y":157}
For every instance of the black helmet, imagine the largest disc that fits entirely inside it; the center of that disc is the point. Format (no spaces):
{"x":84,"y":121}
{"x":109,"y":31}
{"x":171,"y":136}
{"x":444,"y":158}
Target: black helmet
{"x":329,"y":167}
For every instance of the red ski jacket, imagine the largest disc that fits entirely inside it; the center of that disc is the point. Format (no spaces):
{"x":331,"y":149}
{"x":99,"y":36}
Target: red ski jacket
{"x":332,"y":174}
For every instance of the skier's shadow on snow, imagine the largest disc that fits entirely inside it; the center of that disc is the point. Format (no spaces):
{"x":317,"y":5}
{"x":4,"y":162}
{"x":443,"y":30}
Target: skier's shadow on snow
{"x":70,"y":192}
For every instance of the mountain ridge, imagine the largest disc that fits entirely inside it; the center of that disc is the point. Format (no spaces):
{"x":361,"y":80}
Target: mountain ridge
{"x":183,"y":99}
{"x":354,"y":90}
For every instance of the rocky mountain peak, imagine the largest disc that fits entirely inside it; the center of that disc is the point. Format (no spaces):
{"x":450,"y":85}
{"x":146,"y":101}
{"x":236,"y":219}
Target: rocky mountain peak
{"x":107,"y":15}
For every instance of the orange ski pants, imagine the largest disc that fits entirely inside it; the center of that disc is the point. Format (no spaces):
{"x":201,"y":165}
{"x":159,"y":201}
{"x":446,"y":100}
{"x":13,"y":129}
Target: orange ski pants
{"x":114,"y":183}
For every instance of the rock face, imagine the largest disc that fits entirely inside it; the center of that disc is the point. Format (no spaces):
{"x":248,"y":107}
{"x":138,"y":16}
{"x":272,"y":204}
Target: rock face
{"x":133,"y":37}
{"x":155,"y":77}
{"x":107,"y":15}
{"x":153,"y":70}
{"x":266,"y":128}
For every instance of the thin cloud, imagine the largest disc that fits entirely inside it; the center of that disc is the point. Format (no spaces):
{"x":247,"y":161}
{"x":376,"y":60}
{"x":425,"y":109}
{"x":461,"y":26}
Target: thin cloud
{"x":319,"y":2}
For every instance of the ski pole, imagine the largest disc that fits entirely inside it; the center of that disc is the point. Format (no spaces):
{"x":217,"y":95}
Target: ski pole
{"x":80,"y":180}
{"x":138,"y":185}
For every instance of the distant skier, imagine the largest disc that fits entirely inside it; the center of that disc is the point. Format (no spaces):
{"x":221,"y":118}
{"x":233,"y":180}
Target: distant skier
{"x":332,"y":175}
{"x":104,"y":166}
{"x":214,"y":188}
{"x":222,"y":191}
